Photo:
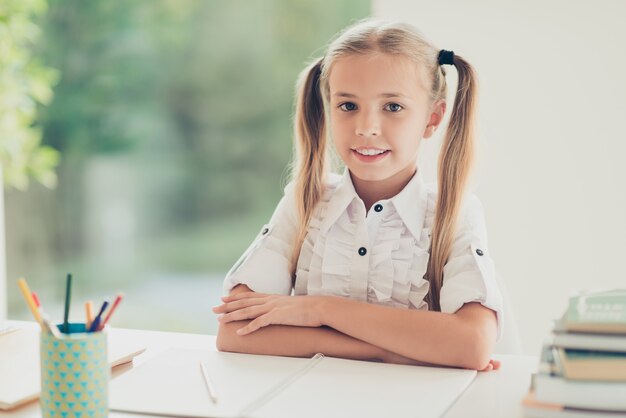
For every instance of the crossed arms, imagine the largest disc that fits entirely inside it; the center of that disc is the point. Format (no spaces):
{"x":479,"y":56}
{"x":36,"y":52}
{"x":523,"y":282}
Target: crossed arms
{"x":301,"y":326}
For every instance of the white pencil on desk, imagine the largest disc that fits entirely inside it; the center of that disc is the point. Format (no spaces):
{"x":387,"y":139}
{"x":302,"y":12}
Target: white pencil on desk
{"x":209,"y":385}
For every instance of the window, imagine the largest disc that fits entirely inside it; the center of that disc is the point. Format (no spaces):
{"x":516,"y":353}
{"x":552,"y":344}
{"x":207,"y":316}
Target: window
{"x":173,"y":120}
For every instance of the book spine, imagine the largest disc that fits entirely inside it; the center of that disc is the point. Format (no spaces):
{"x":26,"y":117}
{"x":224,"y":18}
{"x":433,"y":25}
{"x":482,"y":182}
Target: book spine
{"x":591,"y":395}
{"x":590,"y":342}
{"x":606,"y":308}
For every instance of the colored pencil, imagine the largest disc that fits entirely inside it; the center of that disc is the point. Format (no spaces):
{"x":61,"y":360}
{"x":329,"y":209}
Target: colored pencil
{"x":54,"y":330}
{"x":117,"y":301}
{"x":96,"y":322}
{"x":68,"y":292}
{"x":88,"y":313}
{"x":36,"y":299}
{"x":28,"y":297}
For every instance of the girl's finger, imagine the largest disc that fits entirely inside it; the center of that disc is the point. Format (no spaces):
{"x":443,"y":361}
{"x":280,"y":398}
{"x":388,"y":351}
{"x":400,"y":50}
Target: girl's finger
{"x":260,"y":322}
{"x":496,"y":364}
{"x":243,"y":295}
{"x":238,"y":304}
{"x":245,"y":313}
{"x":487,"y":369}
{"x":236,"y":296}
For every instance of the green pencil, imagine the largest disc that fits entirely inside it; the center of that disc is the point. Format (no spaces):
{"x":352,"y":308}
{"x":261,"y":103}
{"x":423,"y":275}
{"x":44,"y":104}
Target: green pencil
{"x":68,"y":291}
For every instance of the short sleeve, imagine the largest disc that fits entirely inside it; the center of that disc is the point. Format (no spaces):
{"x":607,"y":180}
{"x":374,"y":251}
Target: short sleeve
{"x":264,"y":266}
{"x":469,"y":275}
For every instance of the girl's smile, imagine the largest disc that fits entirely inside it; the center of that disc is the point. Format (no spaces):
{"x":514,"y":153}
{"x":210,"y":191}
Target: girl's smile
{"x":370,"y":155}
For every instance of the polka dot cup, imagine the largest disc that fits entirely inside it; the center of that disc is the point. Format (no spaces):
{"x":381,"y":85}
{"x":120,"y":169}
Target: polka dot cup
{"x":74,"y":374}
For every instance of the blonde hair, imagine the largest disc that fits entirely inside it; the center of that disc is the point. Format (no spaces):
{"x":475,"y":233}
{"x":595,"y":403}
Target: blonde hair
{"x":455,"y":159}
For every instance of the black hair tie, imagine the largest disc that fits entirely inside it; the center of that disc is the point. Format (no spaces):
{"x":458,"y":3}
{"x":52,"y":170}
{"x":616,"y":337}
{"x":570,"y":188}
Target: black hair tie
{"x":445,"y":57}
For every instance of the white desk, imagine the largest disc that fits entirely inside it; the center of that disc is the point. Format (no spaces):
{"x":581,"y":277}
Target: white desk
{"x":492,"y":394}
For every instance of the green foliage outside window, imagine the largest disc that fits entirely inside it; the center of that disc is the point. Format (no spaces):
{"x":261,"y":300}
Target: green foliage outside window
{"x":25,"y":83}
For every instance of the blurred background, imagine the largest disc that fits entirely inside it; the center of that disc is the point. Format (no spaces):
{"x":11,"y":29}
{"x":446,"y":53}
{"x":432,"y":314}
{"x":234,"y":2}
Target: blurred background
{"x":155,"y":138}
{"x":172,"y":122}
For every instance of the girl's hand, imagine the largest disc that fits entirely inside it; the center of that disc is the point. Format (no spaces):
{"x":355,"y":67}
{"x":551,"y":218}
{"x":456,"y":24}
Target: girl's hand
{"x":264,"y":310}
{"x":493,"y":365}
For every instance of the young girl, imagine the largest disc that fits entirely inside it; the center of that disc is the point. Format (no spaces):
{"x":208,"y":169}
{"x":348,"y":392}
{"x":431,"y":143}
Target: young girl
{"x":382,"y":267}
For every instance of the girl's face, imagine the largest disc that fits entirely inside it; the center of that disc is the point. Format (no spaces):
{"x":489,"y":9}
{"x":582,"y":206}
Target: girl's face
{"x":379,"y":112}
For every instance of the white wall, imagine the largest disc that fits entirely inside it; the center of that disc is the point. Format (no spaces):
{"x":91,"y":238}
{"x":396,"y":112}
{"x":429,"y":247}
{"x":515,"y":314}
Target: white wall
{"x":551,"y":130}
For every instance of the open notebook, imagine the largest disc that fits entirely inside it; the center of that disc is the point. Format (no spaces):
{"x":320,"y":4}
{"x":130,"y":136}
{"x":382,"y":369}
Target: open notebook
{"x":19,"y":363}
{"x":270,"y":386}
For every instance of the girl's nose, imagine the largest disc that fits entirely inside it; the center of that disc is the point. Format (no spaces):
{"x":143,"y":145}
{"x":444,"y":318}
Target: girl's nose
{"x":365,"y":132}
{"x":367,"y":127}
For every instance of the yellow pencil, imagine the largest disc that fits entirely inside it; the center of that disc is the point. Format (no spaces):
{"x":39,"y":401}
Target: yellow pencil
{"x":89,"y":312}
{"x":28,"y":297}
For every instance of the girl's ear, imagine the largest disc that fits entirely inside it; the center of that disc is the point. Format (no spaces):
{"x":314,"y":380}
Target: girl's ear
{"x":436,"y":116}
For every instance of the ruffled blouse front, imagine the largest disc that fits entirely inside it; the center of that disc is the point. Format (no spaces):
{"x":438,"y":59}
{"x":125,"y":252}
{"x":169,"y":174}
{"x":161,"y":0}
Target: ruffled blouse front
{"x":391,"y":270}
{"x":377,"y":257}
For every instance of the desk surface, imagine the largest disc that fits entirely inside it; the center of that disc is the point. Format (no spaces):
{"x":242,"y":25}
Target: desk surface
{"x":492,"y":394}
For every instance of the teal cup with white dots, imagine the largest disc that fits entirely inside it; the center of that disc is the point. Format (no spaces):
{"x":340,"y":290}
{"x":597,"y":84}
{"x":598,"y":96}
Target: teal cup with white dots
{"x":74,"y":374}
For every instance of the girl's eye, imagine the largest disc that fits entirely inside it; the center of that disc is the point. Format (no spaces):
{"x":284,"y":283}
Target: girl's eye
{"x":347,"y":107}
{"x":394,"y":107}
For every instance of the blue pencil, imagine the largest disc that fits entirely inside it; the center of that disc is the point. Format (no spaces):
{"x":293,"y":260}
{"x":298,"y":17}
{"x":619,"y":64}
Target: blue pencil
{"x":96,"y":322}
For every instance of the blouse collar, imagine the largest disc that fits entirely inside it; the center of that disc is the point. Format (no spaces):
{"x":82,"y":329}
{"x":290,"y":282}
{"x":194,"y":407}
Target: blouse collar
{"x":411,"y":203}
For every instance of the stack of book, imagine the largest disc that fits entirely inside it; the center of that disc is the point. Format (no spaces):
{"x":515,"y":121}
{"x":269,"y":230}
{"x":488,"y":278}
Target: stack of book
{"x":582,"y":372}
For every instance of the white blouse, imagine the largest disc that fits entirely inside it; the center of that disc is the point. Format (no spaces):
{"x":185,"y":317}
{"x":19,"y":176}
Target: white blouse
{"x":376,"y":257}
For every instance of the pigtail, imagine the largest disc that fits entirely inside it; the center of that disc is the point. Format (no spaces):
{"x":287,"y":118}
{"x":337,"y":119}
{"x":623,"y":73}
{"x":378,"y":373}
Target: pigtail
{"x":455,"y":163}
{"x":310,"y":151}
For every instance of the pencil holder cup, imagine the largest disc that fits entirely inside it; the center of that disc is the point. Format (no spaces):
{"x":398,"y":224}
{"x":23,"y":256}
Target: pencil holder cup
{"x":74,"y":374}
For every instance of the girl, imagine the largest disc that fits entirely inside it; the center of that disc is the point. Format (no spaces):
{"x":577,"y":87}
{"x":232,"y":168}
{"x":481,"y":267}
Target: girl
{"x":382,"y":266}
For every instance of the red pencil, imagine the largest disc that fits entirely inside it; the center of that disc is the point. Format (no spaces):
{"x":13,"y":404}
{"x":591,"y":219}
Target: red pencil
{"x":37,"y":303}
{"x":118,"y":298}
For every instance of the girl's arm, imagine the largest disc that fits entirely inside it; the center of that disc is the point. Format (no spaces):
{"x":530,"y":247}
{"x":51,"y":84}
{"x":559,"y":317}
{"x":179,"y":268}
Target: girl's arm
{"x":463,"y":339}
{"x":300,"y":341}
